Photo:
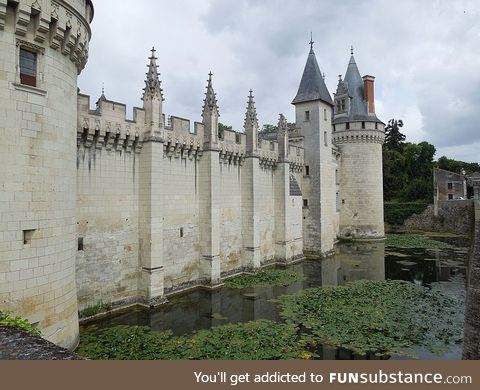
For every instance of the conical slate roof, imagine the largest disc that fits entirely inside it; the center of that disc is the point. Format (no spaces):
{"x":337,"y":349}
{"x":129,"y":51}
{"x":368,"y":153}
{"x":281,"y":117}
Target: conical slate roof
{"x":358,"y":105}
{"x":312,"y":86}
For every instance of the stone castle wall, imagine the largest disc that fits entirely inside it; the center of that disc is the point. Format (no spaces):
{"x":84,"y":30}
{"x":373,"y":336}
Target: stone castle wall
{"x":455,"y":216}
{"x":110,"y":154}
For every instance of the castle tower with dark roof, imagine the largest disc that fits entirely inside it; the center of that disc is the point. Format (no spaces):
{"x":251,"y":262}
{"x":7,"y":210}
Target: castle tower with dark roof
{"x":359,"y":135}
{"x":313,"y":112}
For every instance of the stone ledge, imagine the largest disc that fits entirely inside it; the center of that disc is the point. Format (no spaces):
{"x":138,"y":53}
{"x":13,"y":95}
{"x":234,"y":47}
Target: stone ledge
{"x":18,"y":344}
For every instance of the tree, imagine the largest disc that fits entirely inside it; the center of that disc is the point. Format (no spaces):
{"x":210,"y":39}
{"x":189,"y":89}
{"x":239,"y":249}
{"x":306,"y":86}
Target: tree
{"x":223,"y":127}
{"x":268,"y":128}
{"x":393,"y":138}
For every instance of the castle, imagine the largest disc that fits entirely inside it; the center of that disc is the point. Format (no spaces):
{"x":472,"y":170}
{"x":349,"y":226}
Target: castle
{"x":98,"y":208}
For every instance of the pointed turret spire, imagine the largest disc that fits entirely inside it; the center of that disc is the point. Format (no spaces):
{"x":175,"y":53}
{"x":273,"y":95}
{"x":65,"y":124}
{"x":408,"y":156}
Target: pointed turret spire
{"x":251,"y":125}
{"x":251,"y":114}
{"x":282,"y":138}
{"x":311,"y":42}
{"x":152,"y":82}
{"x":210,"y":102}
{"x":312,"y":86}
{"x":353,"y":102}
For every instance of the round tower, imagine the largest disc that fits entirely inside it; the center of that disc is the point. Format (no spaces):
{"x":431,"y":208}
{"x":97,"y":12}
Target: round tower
{"x":44,"y":46}
{"x":359,"y":134}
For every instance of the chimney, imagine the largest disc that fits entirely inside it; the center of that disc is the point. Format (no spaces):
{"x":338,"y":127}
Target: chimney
{"x":368,"y":90}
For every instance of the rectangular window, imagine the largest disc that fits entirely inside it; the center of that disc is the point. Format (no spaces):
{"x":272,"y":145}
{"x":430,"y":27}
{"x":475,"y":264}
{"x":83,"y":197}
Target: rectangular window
{"x":376,"y":126}
{"x":450,"y":196}
{"x":325,"y":139}
{"x":28,"y":67}
{"x":450,"y":186}
{"x":181,"y":232}
{"x":307,"y":116}
{"x":307,"y":170}
{"x":305,"y":203}
{"x":347,"y":126}
{"x":325,"y":114}
{"x":363,"y":125}
{"x":80,"y":243}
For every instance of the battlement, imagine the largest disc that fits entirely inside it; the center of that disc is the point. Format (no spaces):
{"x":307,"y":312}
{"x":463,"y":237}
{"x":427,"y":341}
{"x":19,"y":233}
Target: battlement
{"x":63,"y":25}
{"x":359,"y":132}
{"x":108,"y":126}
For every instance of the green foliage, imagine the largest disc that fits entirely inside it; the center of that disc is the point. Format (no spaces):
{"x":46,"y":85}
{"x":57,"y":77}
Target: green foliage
{"x":457,"y":166}
{"x":414,"y":241}
{"x":223,"y":127}
{"x":261,"y":339}
{"x":18,"y":322}
{"x":407,"y":167}
{"x":267,"y":128}
{"x":393,"y":137}
{"x":396,"y":213}
{"x":265,"y":278}
{"x":123,"y":342}
{"x":95,"y":309}
{"x":382,"y":317}
{"x":256,"y":340}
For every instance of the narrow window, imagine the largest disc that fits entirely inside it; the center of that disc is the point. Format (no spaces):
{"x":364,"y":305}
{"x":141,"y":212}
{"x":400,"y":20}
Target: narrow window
{"x":307,"y":170}
{"x":28,"y":67}
{"x":307,"y":116}
{"x":80,"y":243}
{"x":325,"y":114}
{"x":450,"y":186}
{"x":237,"y":138}
{"x":376,"y":126}
{"x":363,"y":125}
{"x":343,"y":104}
{"x":181,"y":232}
{"x":305,"y":203}
{"x":325,"y":139}
{"x":334,"y":128}
{"x":347,"y":125}
{"x":336,"y":177}
{"x":27,"y":236}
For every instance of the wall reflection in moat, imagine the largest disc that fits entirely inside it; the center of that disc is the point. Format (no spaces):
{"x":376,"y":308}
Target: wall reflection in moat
{"x":201,"y":309}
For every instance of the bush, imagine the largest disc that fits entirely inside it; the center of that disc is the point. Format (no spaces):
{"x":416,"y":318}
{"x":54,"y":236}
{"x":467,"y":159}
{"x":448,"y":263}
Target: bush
{"x":395,"y":213}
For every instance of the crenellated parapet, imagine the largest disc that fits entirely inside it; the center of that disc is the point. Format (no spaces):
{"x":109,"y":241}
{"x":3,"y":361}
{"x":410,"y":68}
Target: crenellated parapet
{"x":232,"y":153}
{"x":61,"y":24}
{"x":358,"y":136}
{"x":181,"y":144}
{"x":296,"y":158}
{"x":107,"y":127}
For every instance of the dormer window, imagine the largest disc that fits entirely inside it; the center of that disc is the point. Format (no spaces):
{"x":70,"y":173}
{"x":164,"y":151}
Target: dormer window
{"x":343,"y":104}
{"x":28,"y":67}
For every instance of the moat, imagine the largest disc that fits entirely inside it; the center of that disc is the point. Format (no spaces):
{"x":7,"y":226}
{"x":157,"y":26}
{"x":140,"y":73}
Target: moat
{"x":442,"y":269}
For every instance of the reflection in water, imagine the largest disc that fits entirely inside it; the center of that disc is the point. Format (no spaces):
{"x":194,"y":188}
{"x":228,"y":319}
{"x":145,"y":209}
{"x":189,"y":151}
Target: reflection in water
{"x":202,"y":309}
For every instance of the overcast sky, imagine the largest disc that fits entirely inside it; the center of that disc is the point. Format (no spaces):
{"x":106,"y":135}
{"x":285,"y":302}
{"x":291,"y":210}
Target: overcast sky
{"x":424,"y":54}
